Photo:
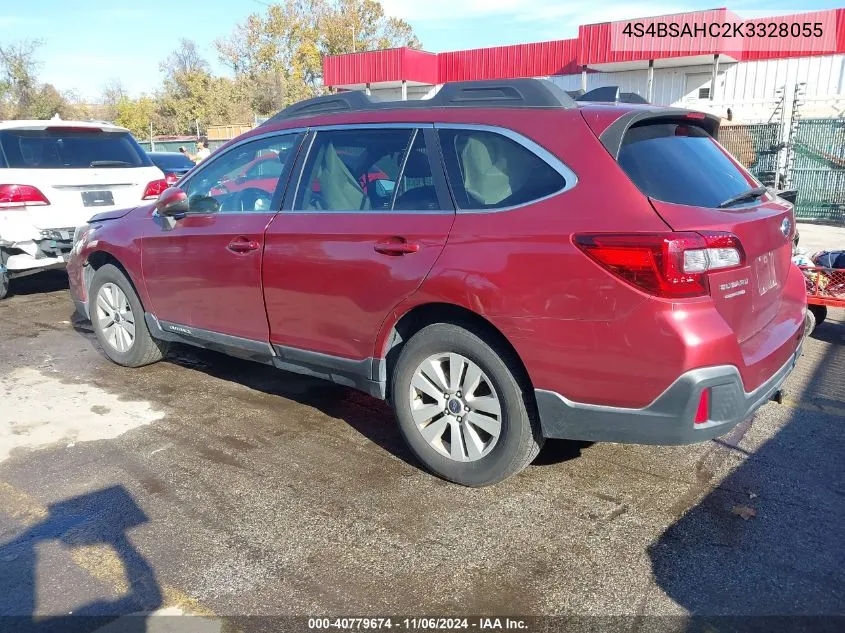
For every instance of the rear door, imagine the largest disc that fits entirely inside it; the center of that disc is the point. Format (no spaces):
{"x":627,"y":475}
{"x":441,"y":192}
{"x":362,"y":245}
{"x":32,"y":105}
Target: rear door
{"x":80,"y":170}
{"x":687,"y":175}
{"x":369,"y":219}
{"x":204,"y":270}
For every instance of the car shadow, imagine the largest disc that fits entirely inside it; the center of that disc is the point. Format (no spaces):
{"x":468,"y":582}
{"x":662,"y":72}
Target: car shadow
{"x":370,"y":417}
{"x":37,"y":283}
{"x":765,"y":549}
{"x":97,"y":519}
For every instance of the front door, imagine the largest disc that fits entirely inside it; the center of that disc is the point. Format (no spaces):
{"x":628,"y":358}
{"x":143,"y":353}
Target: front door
{"x":369,"y":219}
{"x":204,"y":270}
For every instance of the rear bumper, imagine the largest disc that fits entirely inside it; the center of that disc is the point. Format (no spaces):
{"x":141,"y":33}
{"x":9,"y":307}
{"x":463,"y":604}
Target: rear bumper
{"x":669,"y":418}
{"x":24,"y":262}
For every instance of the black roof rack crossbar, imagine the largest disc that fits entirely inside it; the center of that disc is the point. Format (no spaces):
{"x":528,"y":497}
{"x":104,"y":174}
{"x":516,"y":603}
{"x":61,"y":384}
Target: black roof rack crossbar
{"x":610,"y":94}
{"x":509,"y":93}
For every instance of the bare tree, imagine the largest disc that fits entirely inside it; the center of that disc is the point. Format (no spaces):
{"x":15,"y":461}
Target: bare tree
{"x":184,"y":60}
{"x":18,"y":83}
{"x":112,"y":92}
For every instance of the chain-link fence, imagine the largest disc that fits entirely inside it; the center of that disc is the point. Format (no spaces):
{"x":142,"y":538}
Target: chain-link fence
{"x":816,"y":165}
{"x":818,"y":169}
{"x":756,"y":146}
{"x":173,"y":146}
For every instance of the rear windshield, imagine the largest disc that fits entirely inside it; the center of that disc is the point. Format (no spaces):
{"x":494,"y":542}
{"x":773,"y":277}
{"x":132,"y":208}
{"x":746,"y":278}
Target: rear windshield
{"x":171,"y":161}
{"x":680,"y":163}
{"x":70,"y":149}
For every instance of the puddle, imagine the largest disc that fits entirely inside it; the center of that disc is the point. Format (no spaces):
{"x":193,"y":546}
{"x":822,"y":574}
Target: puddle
{"x":37,"y":409}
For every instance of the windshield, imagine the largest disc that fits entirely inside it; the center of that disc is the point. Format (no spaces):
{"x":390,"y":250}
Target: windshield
{"x":681,"y":163}
{"x":56,"y":148}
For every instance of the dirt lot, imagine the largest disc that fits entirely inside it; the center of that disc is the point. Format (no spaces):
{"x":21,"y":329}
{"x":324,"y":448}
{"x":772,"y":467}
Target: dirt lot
{"x":212,"y":486}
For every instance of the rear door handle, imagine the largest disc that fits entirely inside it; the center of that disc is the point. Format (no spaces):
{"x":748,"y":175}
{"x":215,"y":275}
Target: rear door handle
{"x":397,"y":246}
{"x":243,"y":245}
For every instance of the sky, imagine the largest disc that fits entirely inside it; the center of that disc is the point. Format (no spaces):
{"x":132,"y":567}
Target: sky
{"x":89,"y":42}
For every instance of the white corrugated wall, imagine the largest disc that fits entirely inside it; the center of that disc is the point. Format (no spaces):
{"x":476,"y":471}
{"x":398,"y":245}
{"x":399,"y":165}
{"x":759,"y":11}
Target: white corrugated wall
{"x":395,"y":93}
{"x":738,"y":82}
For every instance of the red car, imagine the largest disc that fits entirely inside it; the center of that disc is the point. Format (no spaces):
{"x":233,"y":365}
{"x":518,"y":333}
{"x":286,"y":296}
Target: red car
{"x":528,"y":267}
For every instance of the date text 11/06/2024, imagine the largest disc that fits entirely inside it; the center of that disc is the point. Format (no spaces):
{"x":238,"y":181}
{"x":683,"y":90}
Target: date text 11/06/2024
{"x":418,"y":624}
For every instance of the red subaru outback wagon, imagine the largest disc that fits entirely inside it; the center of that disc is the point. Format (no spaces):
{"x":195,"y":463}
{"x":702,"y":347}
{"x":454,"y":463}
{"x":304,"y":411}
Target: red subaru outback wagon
{"x":501,"y":263}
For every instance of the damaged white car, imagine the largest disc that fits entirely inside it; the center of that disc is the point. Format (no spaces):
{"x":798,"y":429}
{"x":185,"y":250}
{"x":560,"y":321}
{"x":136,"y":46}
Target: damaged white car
{"x":56,"y":174}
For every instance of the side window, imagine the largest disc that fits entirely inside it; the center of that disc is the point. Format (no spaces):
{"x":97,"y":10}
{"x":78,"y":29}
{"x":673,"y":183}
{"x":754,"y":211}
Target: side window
{"x":352,"y":170}
{"x":241,"y":180}
{"x":488,"y":170}
{"x":415,"y":190}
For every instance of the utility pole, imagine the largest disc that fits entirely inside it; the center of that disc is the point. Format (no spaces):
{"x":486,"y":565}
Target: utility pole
{"x":650,"y":89}
{"x":714,"y":77}
{"x":197,"y":121}
{"x":152,"y":142}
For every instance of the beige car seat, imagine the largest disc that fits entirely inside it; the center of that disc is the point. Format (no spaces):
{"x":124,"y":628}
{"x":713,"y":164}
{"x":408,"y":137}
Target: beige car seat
{"x":339,"y":189}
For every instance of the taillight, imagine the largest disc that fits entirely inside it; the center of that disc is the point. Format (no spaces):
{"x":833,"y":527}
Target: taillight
{"x":154,"y":189}
{"x":702,"y":413}
{"x":19,"y":195}
{"x":669,"y":265}
{"x":171,"y":179}
{"x":722,"y":250}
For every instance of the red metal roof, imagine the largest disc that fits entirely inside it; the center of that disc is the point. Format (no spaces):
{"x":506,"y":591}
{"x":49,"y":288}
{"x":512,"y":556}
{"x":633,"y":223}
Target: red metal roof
{"x":831,"y":22}
{"x":606,"y":43}
{"x":595,"y":45}
{"x":393,"y":64}
{"x":505,"y":62}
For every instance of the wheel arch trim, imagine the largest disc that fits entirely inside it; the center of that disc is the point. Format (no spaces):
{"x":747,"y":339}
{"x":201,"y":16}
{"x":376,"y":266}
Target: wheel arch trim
{"x":390,"y":337}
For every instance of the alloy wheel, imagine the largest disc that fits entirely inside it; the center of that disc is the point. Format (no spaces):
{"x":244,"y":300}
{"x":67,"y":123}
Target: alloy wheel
{"x":115,"y":318}
{"x":455,"y":407}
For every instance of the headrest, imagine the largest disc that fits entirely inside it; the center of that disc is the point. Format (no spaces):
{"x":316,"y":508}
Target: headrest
{"x":417,"y":165}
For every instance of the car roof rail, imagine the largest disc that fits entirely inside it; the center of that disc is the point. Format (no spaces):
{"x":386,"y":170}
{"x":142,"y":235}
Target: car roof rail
{"x":506,"y":93}
{"x":509,"y":93}
{"x":610,"y":94}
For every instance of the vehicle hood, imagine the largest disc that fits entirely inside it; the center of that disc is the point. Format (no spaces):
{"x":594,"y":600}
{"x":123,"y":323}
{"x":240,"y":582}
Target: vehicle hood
{"x":114,"y":214}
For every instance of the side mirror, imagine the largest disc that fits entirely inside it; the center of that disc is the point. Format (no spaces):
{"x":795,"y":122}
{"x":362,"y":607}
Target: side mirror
{"x":172,"y":202}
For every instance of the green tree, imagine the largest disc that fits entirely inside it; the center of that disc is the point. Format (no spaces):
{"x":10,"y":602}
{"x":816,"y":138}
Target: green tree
{"x":280,"y":51}
{"x":136,"y":115}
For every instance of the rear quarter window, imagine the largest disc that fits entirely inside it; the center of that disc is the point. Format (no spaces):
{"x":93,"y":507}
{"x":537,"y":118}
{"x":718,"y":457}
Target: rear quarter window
{"x":71,"y":149}
{"x":488,"y":170}
{"x":681,"y":163}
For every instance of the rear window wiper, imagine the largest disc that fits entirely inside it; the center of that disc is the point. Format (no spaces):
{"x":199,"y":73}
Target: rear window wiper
{"x":109,"y":163}
{"x":751,"y":194}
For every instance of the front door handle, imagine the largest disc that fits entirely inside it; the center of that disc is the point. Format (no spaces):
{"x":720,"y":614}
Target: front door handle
{"x":396,"y":246}
{"x":243,"y":245}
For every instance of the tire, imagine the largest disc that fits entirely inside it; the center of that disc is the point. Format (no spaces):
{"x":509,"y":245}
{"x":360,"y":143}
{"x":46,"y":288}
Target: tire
{"x":143,"y":349}
{"x":809,"y":323}
{"x":819,"y":314}
{"x":4,"y":285}
{"x":478,"y":458}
